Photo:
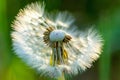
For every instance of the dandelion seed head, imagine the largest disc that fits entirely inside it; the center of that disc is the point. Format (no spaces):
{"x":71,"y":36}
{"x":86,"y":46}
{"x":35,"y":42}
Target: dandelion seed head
{"x":51,"y":44}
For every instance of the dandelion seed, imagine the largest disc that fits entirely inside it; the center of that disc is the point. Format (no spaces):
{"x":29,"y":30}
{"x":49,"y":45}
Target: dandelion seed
{"x":51,"y":44}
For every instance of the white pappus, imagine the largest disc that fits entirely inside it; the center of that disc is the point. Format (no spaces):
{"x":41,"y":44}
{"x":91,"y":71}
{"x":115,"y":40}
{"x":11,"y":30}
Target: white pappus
{"x":51,"y":44}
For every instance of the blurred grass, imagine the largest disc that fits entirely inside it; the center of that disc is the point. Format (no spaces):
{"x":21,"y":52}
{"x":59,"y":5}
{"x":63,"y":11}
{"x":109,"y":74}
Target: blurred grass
{"x":109,"y":25}
{"x":104,"y":13}
{"x":104,"y":68}
{"x":4,"y":49}
{"x":19,"y":71}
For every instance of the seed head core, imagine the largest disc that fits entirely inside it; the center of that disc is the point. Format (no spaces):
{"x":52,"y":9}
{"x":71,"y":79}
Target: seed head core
{"x":57,"y":35}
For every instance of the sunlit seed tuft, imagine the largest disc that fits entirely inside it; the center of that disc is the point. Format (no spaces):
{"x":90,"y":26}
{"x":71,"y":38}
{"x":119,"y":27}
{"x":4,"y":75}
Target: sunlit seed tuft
{"x":51,"y":44}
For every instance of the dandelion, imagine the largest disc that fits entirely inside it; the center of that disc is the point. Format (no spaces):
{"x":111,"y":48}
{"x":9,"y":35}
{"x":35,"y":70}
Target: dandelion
{"x":52,"y":44}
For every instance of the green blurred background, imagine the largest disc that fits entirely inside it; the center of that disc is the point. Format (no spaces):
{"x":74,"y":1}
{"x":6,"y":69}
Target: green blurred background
{"x":104,"y":14}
